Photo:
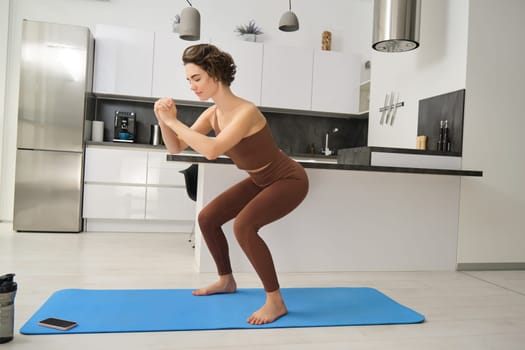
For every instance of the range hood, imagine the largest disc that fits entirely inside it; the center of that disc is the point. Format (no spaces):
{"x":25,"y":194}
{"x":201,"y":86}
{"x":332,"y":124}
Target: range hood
{"x":396,"y":25}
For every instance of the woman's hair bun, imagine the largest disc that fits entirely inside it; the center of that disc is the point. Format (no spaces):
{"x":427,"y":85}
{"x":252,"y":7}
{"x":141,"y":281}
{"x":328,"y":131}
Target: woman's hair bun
{"x":218,"y":64}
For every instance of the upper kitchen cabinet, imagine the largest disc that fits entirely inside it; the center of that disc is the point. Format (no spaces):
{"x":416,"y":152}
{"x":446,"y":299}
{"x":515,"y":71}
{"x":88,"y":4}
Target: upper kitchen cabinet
{"x":123,"y":61}
{"x":248,"y":58}
{"x":287,"y":77}
{"x":336,"y":78}
{"x":169,"y":76}
{"x":364,"y":96}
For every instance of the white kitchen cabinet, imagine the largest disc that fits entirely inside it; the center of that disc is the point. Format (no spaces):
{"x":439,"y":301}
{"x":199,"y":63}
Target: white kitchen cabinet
{"x":123,"y":61}
{"x":169,"y":75}
{"x":109,"y":201}
{"x":115,"y":183}
{"x":166,"y":197}
{"x":169,"y":203}
{"x":364,"y":96}
{"x":248,"y":57}
{"x":139,"y":184}
{"x":116,"y":165}
{"x":164,"y":173}
{"x":335,"y":85}
{"x":287,"y":77}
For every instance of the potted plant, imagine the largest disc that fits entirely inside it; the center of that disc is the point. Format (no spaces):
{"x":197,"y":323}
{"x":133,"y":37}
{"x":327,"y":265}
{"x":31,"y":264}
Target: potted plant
{"x":249,"y":31}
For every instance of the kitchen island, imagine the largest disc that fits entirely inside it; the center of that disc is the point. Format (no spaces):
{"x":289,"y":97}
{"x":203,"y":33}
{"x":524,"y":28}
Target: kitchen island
{"x":354,"y":218}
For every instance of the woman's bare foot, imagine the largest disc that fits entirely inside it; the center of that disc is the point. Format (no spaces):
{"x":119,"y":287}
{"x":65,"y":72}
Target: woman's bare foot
{"x":273,"y":309}
{"x":225,"y":284}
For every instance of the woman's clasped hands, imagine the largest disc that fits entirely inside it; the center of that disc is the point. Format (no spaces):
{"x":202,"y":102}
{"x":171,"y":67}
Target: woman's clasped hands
{"x":165,"y":110}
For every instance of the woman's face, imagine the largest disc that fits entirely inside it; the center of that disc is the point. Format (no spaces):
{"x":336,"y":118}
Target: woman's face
{"x":200,"y":82}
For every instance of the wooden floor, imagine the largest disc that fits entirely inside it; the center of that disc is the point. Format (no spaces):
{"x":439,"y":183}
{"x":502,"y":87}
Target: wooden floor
{"x":464,"y":310}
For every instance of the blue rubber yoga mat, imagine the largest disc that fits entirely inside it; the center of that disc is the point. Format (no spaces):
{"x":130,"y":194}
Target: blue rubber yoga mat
{"x":150,"y":310}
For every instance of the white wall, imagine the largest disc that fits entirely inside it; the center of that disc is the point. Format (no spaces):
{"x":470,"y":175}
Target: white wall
{"x":492,"y":220}
{"x":4,"y":25}
{"x":474,"y":45}
{"x":436,"y":67}
{"x":349,"y":21}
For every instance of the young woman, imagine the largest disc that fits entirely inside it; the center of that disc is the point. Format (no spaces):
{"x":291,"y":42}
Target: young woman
{"x":275,"y":184}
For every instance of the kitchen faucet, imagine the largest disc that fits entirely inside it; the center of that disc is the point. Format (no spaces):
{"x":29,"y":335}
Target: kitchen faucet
{"x":327,"y":151}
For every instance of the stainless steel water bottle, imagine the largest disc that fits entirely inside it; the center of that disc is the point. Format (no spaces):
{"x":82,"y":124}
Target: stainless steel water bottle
{"x":155,"y":137}
{"x":8,"y":289}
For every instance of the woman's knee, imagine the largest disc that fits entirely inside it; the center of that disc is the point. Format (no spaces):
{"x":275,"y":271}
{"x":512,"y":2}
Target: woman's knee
{"x":243,"y":229}
{"x":206,"y":220}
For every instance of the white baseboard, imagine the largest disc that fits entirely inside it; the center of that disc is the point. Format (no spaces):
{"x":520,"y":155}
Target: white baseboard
{"x":494,"y":266}
{"x":104,"y":225}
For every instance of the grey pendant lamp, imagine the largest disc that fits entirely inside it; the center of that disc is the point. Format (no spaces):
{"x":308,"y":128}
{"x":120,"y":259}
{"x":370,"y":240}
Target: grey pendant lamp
{"x":396,"y":25}
{"x":190,"y":23}
{"x":289,"y":21}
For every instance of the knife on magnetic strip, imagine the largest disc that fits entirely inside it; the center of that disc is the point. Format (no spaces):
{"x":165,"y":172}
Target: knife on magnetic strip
{"x":395,"y":110}
{"x":390,"y":107}
{"x":384,"y":110}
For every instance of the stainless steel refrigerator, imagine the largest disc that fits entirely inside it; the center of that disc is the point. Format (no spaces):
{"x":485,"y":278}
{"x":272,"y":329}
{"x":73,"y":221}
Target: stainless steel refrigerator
{"x":55,"y":107}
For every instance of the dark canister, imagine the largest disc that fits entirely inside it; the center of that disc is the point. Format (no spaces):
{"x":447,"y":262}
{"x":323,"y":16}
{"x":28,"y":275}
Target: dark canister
{"x":8,"y":289}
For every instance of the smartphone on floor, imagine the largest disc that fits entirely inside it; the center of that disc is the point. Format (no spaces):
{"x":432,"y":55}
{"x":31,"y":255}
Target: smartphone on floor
{"x":57,"y":323}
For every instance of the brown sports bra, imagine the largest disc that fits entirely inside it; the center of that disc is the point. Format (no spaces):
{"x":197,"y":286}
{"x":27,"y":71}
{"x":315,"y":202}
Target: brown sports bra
{"x":254,"y":151}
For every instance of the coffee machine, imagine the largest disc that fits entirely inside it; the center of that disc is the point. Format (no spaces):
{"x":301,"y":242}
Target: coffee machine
{"x":124,"y":126}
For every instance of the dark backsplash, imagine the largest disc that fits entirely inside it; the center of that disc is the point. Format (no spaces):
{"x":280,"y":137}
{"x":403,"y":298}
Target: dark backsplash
{"x":295,"y":134}
{"x":432,"y":110}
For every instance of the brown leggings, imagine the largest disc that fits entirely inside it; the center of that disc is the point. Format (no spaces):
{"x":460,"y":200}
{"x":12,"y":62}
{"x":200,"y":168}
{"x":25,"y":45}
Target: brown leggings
{"x":260,"y":199}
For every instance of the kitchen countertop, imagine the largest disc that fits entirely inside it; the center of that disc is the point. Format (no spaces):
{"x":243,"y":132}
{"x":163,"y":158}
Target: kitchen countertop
{"x":126,"y":145}
{"x":336,"y":216}
{"x":308,"y":161}
{"x":322,"y":162}
{"x":405,"y":151}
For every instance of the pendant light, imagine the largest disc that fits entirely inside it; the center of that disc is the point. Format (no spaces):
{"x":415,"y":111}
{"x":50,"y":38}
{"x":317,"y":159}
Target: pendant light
{"x":190,"y":23}
{"x":289,"y":21}
{"x":396,"y":25}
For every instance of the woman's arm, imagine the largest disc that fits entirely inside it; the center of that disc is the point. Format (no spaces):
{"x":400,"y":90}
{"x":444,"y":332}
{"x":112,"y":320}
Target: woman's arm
{"x":172,"y":142}
{"x":210,"y":147}
{"x":175,"y":144}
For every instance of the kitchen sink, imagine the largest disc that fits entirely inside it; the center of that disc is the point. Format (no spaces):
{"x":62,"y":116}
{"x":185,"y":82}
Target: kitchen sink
{"x":317,"y":160}
{"x":309,"y":158}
